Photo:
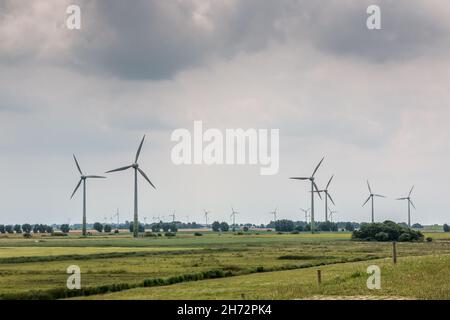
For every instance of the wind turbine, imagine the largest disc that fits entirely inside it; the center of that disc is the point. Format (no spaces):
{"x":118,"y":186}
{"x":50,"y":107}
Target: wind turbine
{"x":274,"y":214}
{"x":206,"y":216}
{"x":371,"y":196}
{"x":410,"y":203}
{"x":83,"y":179}
{"x":233,"y":214}
{"x":173,"y":216}
{"x":118,"y":218}
{"x":306,"y":213}
{"x":136,"y":168}
{"x":327,"y":196}
{"x":313,"y":186}
{"x":331,"y":212}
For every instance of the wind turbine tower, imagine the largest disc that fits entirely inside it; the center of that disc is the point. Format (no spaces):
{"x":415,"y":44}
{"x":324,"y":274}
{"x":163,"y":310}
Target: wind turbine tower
{"x":410,"y":203}
{"x":136,"y":168}
{"x":83,"y":179}
{"x":313,"y":186}
{"x":371,"y":196}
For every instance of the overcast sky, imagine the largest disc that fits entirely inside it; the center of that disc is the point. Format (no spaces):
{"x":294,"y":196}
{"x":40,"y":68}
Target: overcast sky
{"x":374,"y":103}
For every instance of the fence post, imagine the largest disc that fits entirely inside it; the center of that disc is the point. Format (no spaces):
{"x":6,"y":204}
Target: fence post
{"x":319,"y":276}
{"x":394,"y":252}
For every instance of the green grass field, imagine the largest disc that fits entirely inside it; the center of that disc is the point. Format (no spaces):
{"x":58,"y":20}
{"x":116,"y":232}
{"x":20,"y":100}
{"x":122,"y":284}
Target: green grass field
{"x":260,"y":266}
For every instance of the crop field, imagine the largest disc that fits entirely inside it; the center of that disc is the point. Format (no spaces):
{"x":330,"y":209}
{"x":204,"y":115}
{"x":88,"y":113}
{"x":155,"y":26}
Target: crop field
{"x":254,"y":265}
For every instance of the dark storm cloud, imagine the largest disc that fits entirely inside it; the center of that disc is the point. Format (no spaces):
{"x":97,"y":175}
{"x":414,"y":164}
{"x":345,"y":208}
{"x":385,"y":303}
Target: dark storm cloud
{"x":155,"y":40}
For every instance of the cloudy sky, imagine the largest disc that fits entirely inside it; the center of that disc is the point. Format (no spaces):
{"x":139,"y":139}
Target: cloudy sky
{"x":374,"y":103}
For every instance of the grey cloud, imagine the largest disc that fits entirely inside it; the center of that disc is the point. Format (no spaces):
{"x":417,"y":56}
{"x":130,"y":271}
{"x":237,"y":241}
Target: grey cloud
{"x":155,"y":40}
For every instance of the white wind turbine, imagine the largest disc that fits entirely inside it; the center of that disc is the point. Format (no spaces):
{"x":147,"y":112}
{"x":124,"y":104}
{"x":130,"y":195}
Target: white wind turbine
{"x":410,"y":203}
{"x":274,"y":213}
{"x":233,"y":215}
{"x":136,"y":168}
{"x":371,"y":196}
{"x":313,"y":186}
{"x":83,"y":179}
{"x":305,"y":211}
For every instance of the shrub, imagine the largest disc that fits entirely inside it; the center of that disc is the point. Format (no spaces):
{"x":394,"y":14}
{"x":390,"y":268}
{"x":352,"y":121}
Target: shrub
{"x":58,"y":234}
{"x":295,"y":232}
{"x":198,"y":234}
{"x":404,"y":237}
{"x":148,"y":234}
{"x":245,"y":229}
{"x":27,"y":235}
{"x":170,"y":234}
{"x":116,"y":231}
{"x":64,"y":228}
{"x":429,"y":239}
{"x":378,"y":231}
{"x":98,"y":227}
{"x":382,"y":236}
{"x":17,"y":228}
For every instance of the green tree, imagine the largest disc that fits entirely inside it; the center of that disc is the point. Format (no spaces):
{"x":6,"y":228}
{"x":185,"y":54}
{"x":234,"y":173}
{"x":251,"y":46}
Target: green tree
{"x":98,"y":227}
{"x":446,"y":228}
{"x":26,"y":228}
{"x":17,"y":228}
{"x":284,"y":225}
{"x":224,"y":226}
{"x":9,"y":228}
{"x":65,"y":228}
{"x":48,"y":229}
{"x":215,"y":226}
{"x":140,"y":229}
{"x":2,"y":228}
{"x":107,"y":228}
{"x":349,"y":226}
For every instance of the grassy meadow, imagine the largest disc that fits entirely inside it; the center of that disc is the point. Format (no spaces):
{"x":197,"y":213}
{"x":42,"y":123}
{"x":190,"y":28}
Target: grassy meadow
{"x":256,"y":265}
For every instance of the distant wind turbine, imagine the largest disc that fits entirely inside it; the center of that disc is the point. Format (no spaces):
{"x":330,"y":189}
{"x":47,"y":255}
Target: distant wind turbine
{"x":233,"y":215}
{"x":173,"y":216}
{"x":83,"y":179}
{"x":371,"y":196}
{"x":206,"y":216}
{"x":136,"y":168}
{"x":410,"y":203}
{"x":274,"y":213}
{"x":327,"y":196}
{"x":331,"y":212}
{"x":306,"y":213}
{"x":313,"y":186}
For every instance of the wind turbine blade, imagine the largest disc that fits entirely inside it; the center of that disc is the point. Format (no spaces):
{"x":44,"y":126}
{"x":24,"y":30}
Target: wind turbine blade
{"x":76,"y":188}
{"x":368,"y":185}
{"x":379,"y":195}
{"x":119,"y":169}
{"x":315,"y":170}
{"x":139,"y":149}
{"x":412,"y":204}
{"x":330,"y":198}
{"x":366,"y":201}
{"x":145,"y":176}
{"x":401,"y":198}
{"x":78,"y":166}
{"x":317,"y":190}
{"x":328,"y":184}
{"x":96,"y":177}
{"x":299,"y":178}
{"x":410,"y":191}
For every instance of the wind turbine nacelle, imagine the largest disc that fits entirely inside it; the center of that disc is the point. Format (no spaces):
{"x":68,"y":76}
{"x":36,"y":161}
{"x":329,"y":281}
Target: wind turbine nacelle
{"x":135,"y":165}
